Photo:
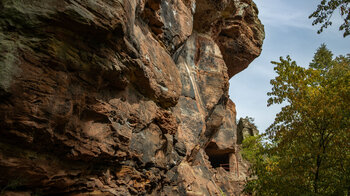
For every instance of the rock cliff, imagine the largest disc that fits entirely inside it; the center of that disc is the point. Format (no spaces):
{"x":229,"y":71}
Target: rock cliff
{"x":122,"y":97}
{"x":246,"y":128}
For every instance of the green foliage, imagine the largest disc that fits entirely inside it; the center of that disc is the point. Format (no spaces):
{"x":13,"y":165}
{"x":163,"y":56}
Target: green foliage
{"x":251,"y":148}
{"x":308,"y":153}
{"x":264,"y":164}
{"x":324,"y":13}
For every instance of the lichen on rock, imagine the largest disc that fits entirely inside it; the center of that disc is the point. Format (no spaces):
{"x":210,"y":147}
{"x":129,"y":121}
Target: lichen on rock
{"x":122,"y":97}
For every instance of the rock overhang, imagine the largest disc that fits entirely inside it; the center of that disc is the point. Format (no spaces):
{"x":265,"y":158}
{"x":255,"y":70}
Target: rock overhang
{"x":235,"y":27}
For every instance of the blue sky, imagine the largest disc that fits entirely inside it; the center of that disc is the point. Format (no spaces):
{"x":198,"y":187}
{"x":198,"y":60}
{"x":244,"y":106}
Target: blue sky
{"x":288,"y":32}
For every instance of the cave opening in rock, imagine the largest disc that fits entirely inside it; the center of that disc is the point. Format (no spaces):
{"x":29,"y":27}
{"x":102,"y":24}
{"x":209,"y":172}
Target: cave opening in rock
{"x":218,"y":157}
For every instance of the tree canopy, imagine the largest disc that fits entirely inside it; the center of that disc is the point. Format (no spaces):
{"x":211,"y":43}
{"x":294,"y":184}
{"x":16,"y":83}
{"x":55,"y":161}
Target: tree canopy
{"x":308,"y":149}
{"x":325,"y":10}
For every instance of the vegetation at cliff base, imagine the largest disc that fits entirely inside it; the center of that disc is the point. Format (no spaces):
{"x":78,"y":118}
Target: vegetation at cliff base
{"x":306,"y":150}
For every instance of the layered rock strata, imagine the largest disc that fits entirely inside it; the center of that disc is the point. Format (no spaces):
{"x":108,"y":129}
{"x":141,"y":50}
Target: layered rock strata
{"x":122,"y":97}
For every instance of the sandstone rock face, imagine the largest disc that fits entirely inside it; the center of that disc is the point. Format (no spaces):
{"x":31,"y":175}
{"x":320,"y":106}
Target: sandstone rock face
{"x":245,"y":128}
{"x":122,"y":97}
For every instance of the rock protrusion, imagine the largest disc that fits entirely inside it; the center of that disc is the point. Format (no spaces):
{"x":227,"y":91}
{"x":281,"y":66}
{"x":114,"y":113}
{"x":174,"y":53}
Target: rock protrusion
{"x":246,"y":128}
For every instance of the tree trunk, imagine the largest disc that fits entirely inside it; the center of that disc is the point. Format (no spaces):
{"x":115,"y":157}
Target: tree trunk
{"x":318,"y":163}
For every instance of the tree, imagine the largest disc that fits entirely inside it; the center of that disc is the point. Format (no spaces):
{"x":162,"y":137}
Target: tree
{"x":262,"y":180}
{"x":308,"y":149}
{"x":324,"y":13}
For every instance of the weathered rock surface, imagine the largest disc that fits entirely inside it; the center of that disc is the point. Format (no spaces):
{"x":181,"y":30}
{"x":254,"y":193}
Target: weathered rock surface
{"x":122,"y":97}
{"x":245,"y":128}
